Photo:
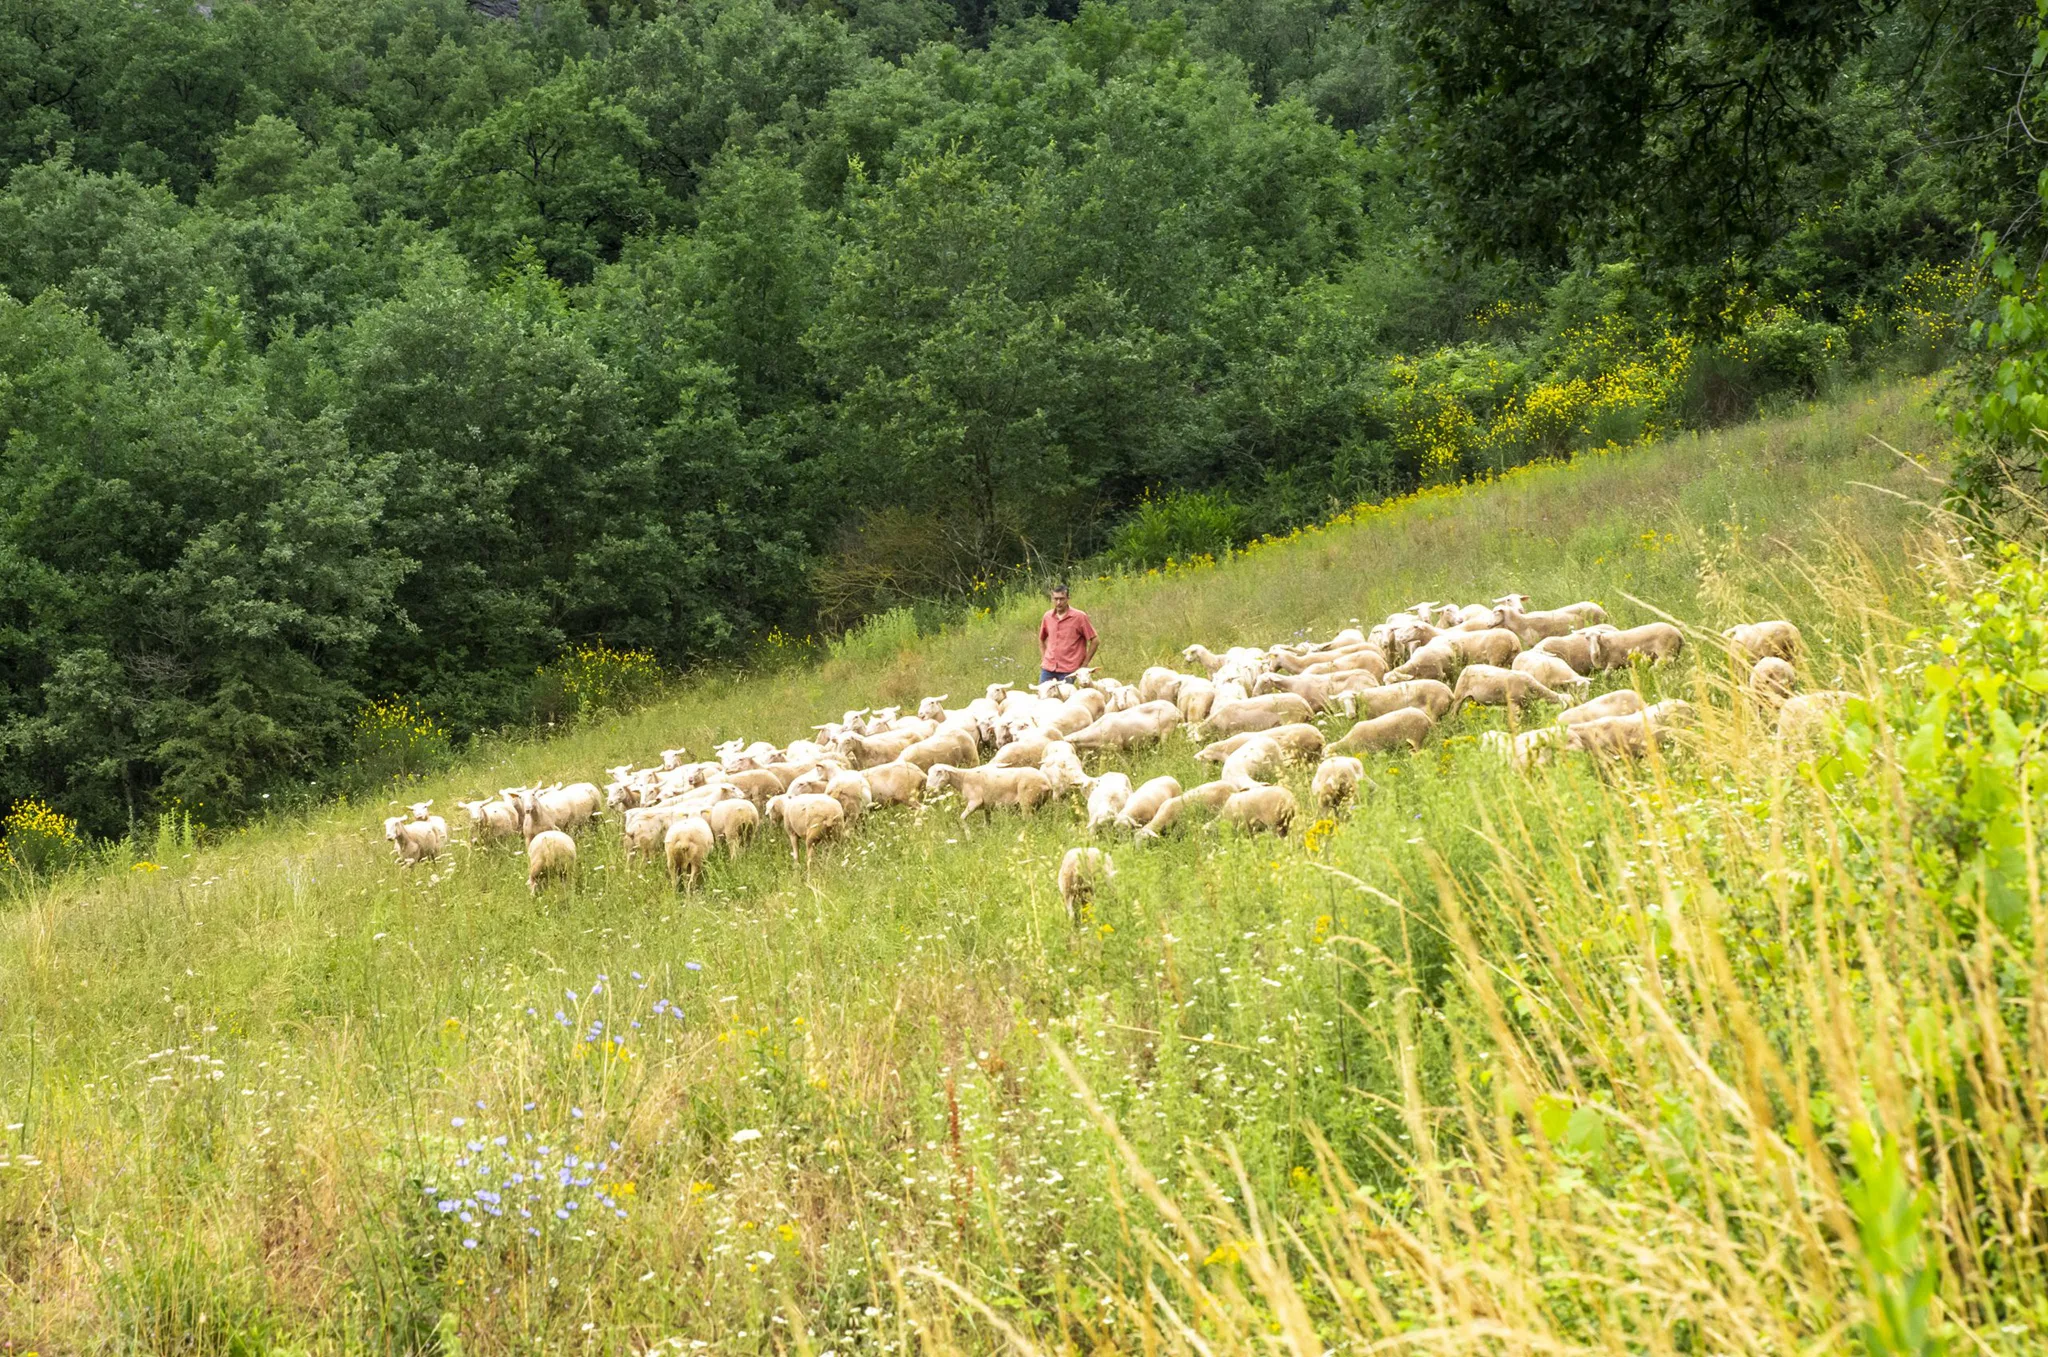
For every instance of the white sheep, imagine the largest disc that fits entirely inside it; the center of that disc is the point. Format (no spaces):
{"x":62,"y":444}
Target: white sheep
{"x":1654,"y":641}
{"x":1146,"y":723}
{"x":894,"y":784}
{"x":550,"y":853}
{"x":984,"y":789}
{"x":1575,"y":649}
{"x":1404,"y":726}
{"x":734,"y":822}
{"x":687,"y":846}
{"x":1336,"y":781}
{"x":1490,"y":686}
{"x":1764,"y":640}
{"x":1255,"y":713}
{"x":1810,"y":714}
{"x":1258,"y":808}
{"x":806,"y":819}
{"x":1771,"y":681}
{"x":1253,"y":762}
{"x":1144,"y":803}
{"x":1425,"y":694}
{"x":491,"y":819}
{"x":1083,"y":871}
{"x":416,"y":841}
{"x":1550,"y":671}
{"x":1620,"y":702}
{"x":1107,"y":796}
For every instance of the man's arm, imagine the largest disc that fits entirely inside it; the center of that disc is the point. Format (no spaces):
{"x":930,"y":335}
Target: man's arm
{"x":1093,"y":641}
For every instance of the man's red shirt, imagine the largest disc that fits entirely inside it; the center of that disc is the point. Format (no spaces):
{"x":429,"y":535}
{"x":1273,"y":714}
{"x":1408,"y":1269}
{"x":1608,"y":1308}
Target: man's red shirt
{"x":1063,"y":641}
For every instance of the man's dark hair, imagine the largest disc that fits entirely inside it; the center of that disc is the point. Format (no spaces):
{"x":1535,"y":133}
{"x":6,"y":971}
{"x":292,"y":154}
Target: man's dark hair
{"x":1060,"y":587}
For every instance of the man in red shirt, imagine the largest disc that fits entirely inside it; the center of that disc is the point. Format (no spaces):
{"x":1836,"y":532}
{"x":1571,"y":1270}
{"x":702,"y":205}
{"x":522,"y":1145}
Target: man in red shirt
{"x":1065,"y":640}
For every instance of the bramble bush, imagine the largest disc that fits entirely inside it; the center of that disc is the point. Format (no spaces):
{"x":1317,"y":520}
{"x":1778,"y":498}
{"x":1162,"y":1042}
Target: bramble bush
{"x":394,"y":740}
{"x":1178,"y":525}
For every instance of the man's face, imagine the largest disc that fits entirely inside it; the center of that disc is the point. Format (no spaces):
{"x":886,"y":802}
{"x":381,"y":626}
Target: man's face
{"x":1059,"y":600}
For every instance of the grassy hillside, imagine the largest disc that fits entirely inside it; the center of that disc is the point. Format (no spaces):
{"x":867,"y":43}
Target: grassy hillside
{"x":241,"y":1089}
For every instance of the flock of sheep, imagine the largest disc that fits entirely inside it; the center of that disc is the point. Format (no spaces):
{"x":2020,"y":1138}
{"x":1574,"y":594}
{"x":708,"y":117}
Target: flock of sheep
{"x":1253,"y":709}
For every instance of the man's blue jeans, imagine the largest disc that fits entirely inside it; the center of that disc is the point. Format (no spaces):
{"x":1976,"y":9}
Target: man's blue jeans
{"x":1047,"y":676}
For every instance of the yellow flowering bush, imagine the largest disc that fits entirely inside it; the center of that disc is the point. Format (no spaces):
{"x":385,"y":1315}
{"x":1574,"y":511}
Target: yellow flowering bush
{"x":395,"y":739}
{"x":34,"y":837}
{"x":592,"y":678}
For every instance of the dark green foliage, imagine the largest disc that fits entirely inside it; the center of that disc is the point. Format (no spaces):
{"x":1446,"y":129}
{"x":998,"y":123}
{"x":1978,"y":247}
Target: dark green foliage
{"x":352,"y":353}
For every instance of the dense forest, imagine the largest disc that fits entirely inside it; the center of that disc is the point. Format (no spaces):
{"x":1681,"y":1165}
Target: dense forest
{"x":390,"y":348}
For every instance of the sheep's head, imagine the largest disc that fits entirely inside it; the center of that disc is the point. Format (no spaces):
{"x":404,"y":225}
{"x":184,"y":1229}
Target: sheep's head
{"x":392,"y":826}
{"x":775,"y":804}
{"x":937,"y":778}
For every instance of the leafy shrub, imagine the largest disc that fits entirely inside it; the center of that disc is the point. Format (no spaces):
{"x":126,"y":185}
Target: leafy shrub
{"x":1179,"y":525}
{"x":392,"y":740}
{"x":881,"y":637}
{"x":590,"y":679}
{"x":37,"y":839}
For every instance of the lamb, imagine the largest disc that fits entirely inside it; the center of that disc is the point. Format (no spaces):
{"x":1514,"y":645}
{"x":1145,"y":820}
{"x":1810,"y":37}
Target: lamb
{"x":948,"y":745}
{"x":1082,"y":872}
{"x":1623,"y":735}
{"x":1258,"y":808}
{"x":984,"y":789}
{"x":1144,"y":724}
{"x":1550,"y":671}
{"x":734,"y":822}
{"x":549,"y":853}
{"x":687,"y":846}
{"x":1361,"y":660}
{"x":894,"y":784}
{"x":1810,"y":714}
{"x":1023,"y":752}
{"x":757,"y":785}
{"x":1144,"y":803}
{"x":1210,"y":796}
{"x":1062,"y":768}
{"x":850,"y":790}
{"x":1620,"y":702}
{"x":1575,"y":650}
{"x":1753,"y":641}
{"x":1336,"y":781}
{"x":1771,"y":681}
{"x":498,"y":819}
{"x":1107,"y":796}
{"x":1256,"y":713}
{"x":1525,"y":748}
{"x":806,"y":819}
{"x":415,"y":841}
{"x":933,"y":708}
{"x":1425,"y":694}
{"x":1490,"y":686}
{"x":1655,"y":641}
{"x":1163,"y":819}
{"x":1202,"y":655}
{"x":1318,"y":690}
{"x":1196,"y":699}
{"x":1406,"y":725}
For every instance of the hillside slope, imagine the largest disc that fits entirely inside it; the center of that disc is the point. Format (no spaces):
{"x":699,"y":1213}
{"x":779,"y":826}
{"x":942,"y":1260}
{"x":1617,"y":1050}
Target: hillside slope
{"x":280,"y":1093}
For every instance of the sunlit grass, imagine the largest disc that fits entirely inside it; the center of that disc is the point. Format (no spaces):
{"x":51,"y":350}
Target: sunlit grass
{"x":232,"y":1086}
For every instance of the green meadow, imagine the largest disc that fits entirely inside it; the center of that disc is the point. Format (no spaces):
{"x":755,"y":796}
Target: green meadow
{"x":1694,"y":1056}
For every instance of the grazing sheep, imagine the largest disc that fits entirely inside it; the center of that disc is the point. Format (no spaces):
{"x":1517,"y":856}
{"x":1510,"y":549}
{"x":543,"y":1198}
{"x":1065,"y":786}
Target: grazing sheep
{"x":1202,"y":655}
{"x":549,"y":853}
{"x":984,"y":789}
{"x":1810,"y":714}
{"x":734,"y":822}
{"x":894,"y":784}
{"x":850,"y":790}
{"x":1358,"y":660}
{"x":1771,"y":681}
{"x":1319,"y":690}
{"x":1253,"y":762}
{"x":1159,"y":684}
{"x":1144,"y":803}
{"x":1491,"y":686}
{"x":1549,"y":670}
{"x":1526,"y":748}
{"x":1408,"y":725}
{"x":1210,"y":796}
{"x":687,"y":846}
{"x":1654,"y":641}
{"x":1620,"y":702}
{"x":1062,"y":768}
{"x":415,"y":841}
{"x":1258,"y":808}
{"x":1146,"y":723}
{"x":1163,"y":819}
{"x":1256,"y":713}
{"x":1613,"y":735}
{"x":1082,"y":872}
{"x":643,"y":828}
{"x":1433,"y":661}
{"x":496,"y":819}
{"x":1575,"y":650}
{"x":1107,"y":796}
{"x":947,"y":745}
{"x":865,"y":751}
{"x":1529,"y":628}
{"x":1297,"y":741}
{"x":808,"y":819}
{"x":1753,"y":641}
{"x":1023,"y":752}
{"x":758,"y":785}
{"x":1196,"y":699}
{"x":1336,"y":781}
{"x":1494,"y":645}
{"x":1426,"y":694}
